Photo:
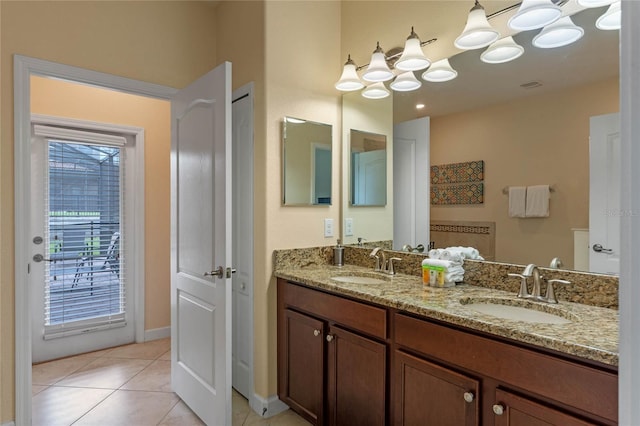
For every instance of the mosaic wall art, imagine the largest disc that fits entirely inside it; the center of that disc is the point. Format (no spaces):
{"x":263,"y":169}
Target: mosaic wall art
{"x":458,"y":183}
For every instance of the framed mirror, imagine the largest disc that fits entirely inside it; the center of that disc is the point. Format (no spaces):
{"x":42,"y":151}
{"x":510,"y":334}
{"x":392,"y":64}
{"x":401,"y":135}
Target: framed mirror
{"x":306,"y":163}
{"x":368,"y":169}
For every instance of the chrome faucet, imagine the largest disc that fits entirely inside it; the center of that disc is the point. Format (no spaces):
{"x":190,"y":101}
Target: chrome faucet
{"x":374,"y":254}
{"x":531,"y":270}
{"x":384,"y":265}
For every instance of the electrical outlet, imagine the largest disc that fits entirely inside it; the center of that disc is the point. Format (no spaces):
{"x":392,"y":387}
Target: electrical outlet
{"x":348,"y":227}
{"x":328,"y":228}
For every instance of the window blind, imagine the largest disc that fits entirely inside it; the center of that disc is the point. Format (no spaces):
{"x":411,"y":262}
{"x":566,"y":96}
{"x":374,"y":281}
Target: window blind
{"x":85,"y":277}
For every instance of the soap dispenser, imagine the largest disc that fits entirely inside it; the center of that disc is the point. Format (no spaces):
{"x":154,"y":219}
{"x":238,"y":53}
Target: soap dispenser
{"x":338,"y":254}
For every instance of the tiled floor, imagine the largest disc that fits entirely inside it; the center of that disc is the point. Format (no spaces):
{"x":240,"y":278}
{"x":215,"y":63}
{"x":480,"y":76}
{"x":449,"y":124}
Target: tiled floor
{"x":127,"y":385}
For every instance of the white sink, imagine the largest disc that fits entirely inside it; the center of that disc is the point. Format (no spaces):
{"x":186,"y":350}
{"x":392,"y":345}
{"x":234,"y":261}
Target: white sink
{"x":358,"y":279}
{"x":531,"y":313}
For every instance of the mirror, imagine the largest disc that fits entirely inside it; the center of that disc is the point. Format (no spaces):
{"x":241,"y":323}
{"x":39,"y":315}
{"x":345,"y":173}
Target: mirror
{"x":306,"y":163}
{"x":368,"y":169}
{"x":525,"y":136}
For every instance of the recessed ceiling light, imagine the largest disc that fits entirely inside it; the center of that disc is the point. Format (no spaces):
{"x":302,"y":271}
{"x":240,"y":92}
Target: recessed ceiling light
{"x":419,"y":106}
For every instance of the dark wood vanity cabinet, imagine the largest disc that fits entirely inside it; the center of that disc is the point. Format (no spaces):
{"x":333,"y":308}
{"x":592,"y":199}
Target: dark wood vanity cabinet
{"x":332,"y":358}
{"x":346,"y":362}
{"x":516,"y":386}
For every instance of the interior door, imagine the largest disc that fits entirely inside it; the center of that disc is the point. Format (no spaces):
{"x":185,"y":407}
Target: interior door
{"x":604,"y":194}
{"x":411,"y":183}
{"x":370,"y":178}
{"x":201,"y":245}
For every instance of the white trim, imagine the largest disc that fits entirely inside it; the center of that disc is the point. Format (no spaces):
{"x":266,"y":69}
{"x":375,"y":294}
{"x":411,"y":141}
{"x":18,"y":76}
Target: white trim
{"x":11,"y":423}
{"x":157,"y":333}
{"x":629,"y":292}
{"x":78,"y":135}
{"x":24,"y":67}
{"x":269,"y":407}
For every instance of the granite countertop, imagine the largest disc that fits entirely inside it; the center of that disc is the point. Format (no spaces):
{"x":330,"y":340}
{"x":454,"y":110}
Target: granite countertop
{"x":592,"y":333}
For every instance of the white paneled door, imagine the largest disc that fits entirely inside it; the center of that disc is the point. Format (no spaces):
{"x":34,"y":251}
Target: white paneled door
{"x":201,"y":245}
{"x":604,"y":194}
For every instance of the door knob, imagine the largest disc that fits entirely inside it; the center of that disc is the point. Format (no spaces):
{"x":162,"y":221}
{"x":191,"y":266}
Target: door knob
{"x":599,"y":249}
{"x":39,"y":258}
{"x":218,"y":272}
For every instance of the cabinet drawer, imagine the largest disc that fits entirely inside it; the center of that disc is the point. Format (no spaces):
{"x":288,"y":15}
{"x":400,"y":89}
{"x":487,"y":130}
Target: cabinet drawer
{"x":354,"y":315}
{"x":588,"y":389}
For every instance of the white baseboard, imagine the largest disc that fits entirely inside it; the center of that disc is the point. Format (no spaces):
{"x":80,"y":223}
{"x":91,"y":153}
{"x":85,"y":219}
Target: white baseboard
{"x":11,"y":423}
{"x":157,"y":333}
{"x":267,"y":407}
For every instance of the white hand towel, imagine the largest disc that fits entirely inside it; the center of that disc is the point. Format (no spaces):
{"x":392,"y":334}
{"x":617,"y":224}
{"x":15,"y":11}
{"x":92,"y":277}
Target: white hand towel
{"x":517,"y":201}
{"x":465,"y":252}
{"x":537,"y":201}
{"x":435,"y":253}
{"x":453,"y":256}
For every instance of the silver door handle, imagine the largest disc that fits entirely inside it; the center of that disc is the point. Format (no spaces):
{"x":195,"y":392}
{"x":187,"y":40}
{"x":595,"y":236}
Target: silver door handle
{"x":218,"y":272}
{"x":599,"y":249}
{"x":39,"y":258}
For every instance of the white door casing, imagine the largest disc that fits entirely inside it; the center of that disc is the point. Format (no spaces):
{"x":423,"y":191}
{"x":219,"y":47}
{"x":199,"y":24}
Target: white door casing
{"x":604,"y":194}
{"x":242,"y":352}
{"x":24,"y":67}
{"x":411,"y":183}
{"x":201,"y":245}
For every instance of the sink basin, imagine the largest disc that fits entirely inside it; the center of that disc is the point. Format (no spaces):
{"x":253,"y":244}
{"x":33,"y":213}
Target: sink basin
{"x":518,"y":310}
{"x":361,"y":279}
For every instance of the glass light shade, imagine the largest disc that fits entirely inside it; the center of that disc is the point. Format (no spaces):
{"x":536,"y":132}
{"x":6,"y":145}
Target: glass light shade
{"x":594,"y":3}
{"x":349,"y":80}
{"x":503,"y":50}
{"x":611,"y":19}
{"x":534,"y":14}
{"x":412,"y":58}
{"x":560,"y":33}
{"x":406,"y":82}
{"x":439,"y":72}
{"x":376,"y":91}
{"x":378,"y":69}
{"x":477,"y":33}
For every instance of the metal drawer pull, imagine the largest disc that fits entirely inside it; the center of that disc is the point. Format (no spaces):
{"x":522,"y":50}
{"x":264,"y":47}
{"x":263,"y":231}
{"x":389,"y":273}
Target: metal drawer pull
{"x":498,"y":409}
{"x":468,"y":396}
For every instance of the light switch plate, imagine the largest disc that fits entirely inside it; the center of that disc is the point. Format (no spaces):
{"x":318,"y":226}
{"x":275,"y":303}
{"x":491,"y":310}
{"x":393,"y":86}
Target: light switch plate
{"x":348,"y":227}
{"x":328,"y":228}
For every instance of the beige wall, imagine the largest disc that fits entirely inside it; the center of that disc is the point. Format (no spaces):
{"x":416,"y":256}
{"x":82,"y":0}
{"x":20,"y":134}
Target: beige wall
{"x":303,"y":44}
{"x":536,"y":140}
{"x":169,"y":43}
{"x":63,"y":99}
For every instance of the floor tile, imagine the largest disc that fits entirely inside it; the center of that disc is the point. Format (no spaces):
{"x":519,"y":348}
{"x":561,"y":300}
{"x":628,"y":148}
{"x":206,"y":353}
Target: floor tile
{"x":130,"y":408}
{"x":181,"y":415}
{"x":36,"y":389}
{"x":106,"y":373}
{"x":166,"y":356}
{"x":155,"y":377}
{"x":59,"y":405}
{"x":148,"y":350}
{"x":51,"y":372}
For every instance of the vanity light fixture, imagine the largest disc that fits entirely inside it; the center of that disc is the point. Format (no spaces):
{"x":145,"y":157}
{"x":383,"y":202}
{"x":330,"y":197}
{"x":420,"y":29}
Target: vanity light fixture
{"x":594,"y":3}
{"x":412,"y":58}
{"x":611,"y":19}
{"x":439,"y":72}
{"x":378,"y":69}
{"x":375,"y":91}
{"x":534,"y":14}
{"x":349,"y":80}
{"x":503,"y":50}
{"x":477,"y":32}
{"x":406,"y":82}
{"x":561,"y":33}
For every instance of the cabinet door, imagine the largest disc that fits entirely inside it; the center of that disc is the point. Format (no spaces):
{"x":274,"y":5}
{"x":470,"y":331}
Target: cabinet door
{"x":514,"y":410}
{"x":356,"y":379}
{"x":428,"y":394}
{"x":302,"y":385}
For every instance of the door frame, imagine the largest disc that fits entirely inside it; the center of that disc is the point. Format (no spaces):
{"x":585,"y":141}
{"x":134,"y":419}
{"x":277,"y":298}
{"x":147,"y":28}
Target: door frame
{"x":24,"y":67}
